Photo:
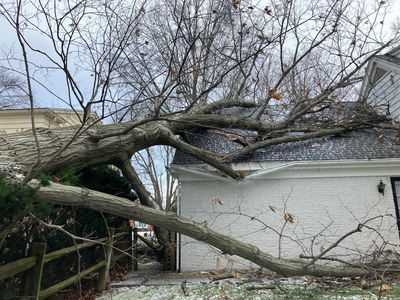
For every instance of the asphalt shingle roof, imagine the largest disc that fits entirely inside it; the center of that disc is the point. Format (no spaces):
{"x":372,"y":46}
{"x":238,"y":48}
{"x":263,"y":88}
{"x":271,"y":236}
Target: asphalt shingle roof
{"x":361,"y":144}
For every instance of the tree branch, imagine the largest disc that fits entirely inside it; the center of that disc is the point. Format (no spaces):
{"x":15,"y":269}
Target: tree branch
{"x":75,"y":196}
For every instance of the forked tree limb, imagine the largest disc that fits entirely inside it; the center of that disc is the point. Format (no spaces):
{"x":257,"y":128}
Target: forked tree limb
{"x":80,"y":197}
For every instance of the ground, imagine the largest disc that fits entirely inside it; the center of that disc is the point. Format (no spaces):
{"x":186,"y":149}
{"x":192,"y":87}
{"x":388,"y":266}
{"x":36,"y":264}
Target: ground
{"x":247,"y":291}
{"x":152,"y":284}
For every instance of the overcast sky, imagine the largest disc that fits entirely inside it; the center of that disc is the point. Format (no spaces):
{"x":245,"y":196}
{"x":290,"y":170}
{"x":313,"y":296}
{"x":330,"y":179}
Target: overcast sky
{"x":55,"y":81}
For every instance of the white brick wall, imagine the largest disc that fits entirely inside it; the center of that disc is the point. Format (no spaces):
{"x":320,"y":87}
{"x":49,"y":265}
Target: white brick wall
{"x":332,"y":206}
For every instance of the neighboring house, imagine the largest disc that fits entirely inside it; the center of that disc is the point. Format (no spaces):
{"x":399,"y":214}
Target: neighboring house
{"x":14,"y":120}
{"x":297,"y":198}
{"x":142,"y":228}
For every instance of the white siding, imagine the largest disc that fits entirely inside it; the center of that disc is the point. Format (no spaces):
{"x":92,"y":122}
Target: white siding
{"x":385,"y":94}
{"x":20,"y":119}
{"x":332,"y":206}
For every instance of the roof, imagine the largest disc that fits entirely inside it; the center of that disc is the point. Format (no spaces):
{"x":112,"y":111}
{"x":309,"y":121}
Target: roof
{"x":361,"y":144}
{"x":389,"y":58}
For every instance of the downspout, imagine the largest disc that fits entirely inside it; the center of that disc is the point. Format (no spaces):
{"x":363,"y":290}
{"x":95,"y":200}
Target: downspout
{"x":178,"y":235}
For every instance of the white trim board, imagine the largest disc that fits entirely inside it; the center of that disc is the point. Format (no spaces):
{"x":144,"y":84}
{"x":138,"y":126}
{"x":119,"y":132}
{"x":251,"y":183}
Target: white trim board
{"x":295,"y":169}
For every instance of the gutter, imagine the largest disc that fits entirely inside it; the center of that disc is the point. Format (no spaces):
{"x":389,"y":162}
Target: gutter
{"x":334,"y":163}
{"x":328,"y":163}
{"x":272,"y":170}
{"x":200,"y":173}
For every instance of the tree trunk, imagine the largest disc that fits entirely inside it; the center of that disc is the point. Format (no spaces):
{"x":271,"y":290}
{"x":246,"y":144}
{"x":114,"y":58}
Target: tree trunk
{"x":84,"y":150}
{"x":75,"y":196}
{"x":78,"y":148}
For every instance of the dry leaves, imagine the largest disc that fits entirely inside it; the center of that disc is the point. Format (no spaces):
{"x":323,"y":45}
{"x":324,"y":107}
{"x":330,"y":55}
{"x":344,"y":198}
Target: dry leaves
{"x":218,"y":200}
{"x":241,"y":175}
{"x":231,"y":137}
{"x":384,"y":288}
{"x":308,"y":279}
{"x":379,"y":134}
{"x":273,"y":93}
{"x":289,"y":217}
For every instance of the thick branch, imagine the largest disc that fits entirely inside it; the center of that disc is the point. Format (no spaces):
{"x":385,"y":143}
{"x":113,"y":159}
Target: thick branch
{"x":136,"y":184}
{"x":211,"y":158}
{"x":225,"y":103}
{"x":223,"y":121}
{"x":68,"y":195}
{"x":285,"y":139}
{"x":83,"y":151}
{"x":144,"y":195}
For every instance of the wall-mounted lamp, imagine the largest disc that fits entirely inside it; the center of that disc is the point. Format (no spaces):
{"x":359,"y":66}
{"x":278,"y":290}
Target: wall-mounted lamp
{"x":381,"y":187}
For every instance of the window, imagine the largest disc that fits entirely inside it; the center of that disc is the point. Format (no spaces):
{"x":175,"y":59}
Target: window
{"x":378,"y":74}
{"x":396,"y":195}
{"x":141,"y":225}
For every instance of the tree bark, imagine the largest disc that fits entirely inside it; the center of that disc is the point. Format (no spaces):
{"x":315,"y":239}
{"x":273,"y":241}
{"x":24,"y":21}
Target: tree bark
{"x":85,"y":150}
{"x":80,"y":197}
{"x":111,"y":144}
{"x":144,"y":196}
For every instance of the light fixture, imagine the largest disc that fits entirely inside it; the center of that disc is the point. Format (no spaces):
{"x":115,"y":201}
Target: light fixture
{"x":381,"y":187}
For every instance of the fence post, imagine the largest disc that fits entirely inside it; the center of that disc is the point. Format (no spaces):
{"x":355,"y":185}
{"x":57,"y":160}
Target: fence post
{"x":130,"y":247}
{"x":135,"y":248}
{"x":105,"y":271}
{"x":33,"y":277}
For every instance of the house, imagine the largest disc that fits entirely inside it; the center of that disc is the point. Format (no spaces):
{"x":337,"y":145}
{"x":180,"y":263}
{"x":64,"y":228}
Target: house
{"x":142,"y":228}
{"x":299,"y":198}
{"x":13,"y":120}
{"x":381,"y":84}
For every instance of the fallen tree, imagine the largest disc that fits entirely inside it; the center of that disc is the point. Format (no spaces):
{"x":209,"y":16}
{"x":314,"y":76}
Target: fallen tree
{"x":179,"y":66}
{"x":17,"y":159}
{"x":67,"y":195}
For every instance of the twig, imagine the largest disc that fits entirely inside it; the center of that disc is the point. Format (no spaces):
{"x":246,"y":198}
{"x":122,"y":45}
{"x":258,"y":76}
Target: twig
{"x":60,"y":228}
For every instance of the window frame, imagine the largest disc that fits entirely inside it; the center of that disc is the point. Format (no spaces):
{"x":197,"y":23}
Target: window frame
{"x":393,"y":181}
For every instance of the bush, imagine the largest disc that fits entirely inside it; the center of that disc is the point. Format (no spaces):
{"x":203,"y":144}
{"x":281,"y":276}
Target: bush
{"x":18,"y":230}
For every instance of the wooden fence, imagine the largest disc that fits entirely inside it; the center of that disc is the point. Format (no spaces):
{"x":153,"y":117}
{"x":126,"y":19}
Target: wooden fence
{"x":34,"y":264}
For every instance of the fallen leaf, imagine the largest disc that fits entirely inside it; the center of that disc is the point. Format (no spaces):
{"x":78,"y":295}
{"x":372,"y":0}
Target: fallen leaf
{"x":307,"y":279}
{"x":384,"y":288}
{"x":235,"y":4}
{"x":273,"y":93}
{"x":273,"y":208}
{"x":289,"y":217}
{"x":231,"y":137}
{"x":218,"y":200}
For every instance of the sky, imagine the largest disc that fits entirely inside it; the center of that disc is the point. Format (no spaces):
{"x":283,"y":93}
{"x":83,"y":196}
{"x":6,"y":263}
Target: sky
{"x":56,"y":81}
